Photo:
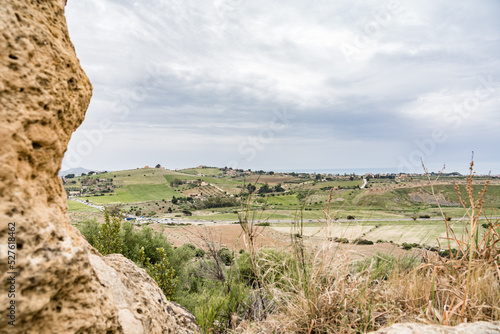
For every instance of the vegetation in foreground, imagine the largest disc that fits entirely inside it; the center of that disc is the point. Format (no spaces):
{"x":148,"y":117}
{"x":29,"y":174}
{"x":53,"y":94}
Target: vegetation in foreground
{"x":300,"y":291}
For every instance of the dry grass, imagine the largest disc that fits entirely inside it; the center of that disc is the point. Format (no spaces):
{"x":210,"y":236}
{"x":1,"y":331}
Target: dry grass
{"x":324,"y":291}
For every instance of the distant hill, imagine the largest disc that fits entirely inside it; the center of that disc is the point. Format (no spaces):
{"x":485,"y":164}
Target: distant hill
{"x":77,"y":171}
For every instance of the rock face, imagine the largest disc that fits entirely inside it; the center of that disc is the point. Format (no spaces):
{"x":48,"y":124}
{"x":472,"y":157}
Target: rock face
{"x":60,"y":284}
{"x":480,"y":327}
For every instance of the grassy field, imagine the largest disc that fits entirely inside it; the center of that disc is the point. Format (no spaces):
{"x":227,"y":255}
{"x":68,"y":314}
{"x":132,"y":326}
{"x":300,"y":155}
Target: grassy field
{"x":79,"y":207}
{"x":421,"y":232}
{"x":135,"y":193}
{"x":202,"y":171}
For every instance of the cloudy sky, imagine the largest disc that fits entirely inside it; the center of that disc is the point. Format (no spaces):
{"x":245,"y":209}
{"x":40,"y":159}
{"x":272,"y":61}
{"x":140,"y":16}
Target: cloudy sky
{"x":288,"y":85}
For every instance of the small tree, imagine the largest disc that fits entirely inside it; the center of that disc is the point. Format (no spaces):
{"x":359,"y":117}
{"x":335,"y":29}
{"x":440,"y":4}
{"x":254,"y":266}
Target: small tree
{"x":278,"y":188}
{"x":110,"y":240}
{"x":176,"y":182}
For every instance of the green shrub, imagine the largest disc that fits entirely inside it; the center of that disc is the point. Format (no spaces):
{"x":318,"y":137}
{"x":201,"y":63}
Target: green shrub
{"x":226,"y":255}
{"x":217,"y":305}
{"x":360,"y":241}
{"x":90,"y":229}
{"x":199,"y":252}
{"x":408,"y":246}
{"x":161,"y":271}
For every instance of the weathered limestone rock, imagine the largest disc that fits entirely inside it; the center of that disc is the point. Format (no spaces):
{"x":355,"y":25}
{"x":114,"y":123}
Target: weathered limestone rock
{"x":62,"y":285}
{"x":480,"y":327}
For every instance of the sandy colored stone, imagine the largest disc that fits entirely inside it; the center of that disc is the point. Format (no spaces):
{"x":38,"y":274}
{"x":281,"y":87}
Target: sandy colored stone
{"x":480,"y":327}
{"x":62,"y":285}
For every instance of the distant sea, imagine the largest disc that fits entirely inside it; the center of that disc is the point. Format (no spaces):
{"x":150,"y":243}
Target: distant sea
{"x":341,"y":171}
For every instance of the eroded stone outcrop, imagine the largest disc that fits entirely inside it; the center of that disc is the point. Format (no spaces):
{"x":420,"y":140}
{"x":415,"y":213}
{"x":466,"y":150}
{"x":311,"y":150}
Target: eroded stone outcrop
{"x":62,"y":285}
{"x":480,"y":327}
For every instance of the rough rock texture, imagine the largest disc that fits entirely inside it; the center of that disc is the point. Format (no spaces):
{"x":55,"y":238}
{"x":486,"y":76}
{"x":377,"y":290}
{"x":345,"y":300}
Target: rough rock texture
{"x":62,"y":285}
{"x":480,"y":327}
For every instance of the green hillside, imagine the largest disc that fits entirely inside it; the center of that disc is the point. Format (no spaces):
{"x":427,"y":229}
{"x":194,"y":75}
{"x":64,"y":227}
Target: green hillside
{"x":151,"y":191}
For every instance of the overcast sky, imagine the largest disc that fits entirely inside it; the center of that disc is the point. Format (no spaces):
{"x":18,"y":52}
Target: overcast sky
{"x":288,"y":85}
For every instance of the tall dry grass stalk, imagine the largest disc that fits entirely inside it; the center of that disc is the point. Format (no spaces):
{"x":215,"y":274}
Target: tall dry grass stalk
{"x":463,"y":286}
{"x":313,"y":292}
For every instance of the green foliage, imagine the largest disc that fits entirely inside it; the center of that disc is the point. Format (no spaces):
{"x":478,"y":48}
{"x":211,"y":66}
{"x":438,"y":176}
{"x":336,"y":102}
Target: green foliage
{"x":161,"y":271}
{"x":91,"y":229}
{"x":265,"y":189}
{"x":409,"y":246}
{"x":135,"y":239}
{"x":218,"y":304}
{"x":278,"y":188}
{"x":226,"y":256}
{"x":217,"y":202}
{"x":109,"y":240}
{"x":143,"y":246}
{"x":176,"y":182}
{"x":361,"y":241}
{"x":245,"y":269}
{"x":199,"y":252}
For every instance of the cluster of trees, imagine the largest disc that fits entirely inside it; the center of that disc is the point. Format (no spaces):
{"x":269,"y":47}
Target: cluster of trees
{"x":264,"y":189}
{"x":216,"y":202}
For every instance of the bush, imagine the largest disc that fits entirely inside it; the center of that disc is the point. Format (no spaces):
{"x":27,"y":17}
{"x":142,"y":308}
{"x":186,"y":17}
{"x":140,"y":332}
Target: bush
{"x":341,"y":240}
{"x":162,"y":272}
{"x":408,"y":246}
{"x":227,"y":256}
{"x":360,"y":241}
{"x":199,"y":252}
{"x":351,"y":217}
{"x":424,"y":216}
{"x":90,"y":229}
{"x":144,"y":246}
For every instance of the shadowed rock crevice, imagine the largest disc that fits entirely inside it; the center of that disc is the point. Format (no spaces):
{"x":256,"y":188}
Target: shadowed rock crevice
{"x":62,"y":284}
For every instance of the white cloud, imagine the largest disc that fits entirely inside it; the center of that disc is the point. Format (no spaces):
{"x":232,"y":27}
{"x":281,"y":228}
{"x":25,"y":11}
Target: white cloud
{"x":216,"y":71}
